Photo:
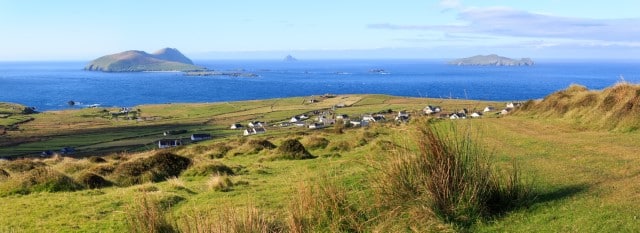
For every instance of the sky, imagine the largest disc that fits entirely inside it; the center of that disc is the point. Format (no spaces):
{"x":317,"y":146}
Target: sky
{"x":329,"y":29}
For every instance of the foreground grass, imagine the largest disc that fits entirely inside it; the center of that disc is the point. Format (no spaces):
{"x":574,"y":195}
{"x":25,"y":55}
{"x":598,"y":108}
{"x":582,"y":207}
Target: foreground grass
{"x":586,"y":180}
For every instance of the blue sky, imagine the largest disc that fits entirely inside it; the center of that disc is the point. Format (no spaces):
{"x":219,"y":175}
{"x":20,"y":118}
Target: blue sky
{"x":83,"y":30}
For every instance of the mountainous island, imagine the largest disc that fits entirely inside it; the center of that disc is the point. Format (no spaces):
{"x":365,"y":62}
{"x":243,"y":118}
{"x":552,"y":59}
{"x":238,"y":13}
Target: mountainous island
{"x":491,"y":60}
{"x":167,"y":59}
{"x":290,"y":58}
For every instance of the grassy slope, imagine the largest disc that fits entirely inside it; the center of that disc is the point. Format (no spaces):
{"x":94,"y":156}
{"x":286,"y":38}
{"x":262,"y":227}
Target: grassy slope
{"x":588,"y":179}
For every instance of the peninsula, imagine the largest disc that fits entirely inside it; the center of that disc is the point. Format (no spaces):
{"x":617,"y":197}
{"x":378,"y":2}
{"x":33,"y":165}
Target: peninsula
{"x":491,"y":60}
{"x":167,"y":59}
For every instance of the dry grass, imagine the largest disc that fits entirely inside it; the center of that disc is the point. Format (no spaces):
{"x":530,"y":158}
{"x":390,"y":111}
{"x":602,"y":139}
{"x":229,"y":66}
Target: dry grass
{"x":146,"y":216}
{"x":220,"y":183}
{"x":229,"y":220}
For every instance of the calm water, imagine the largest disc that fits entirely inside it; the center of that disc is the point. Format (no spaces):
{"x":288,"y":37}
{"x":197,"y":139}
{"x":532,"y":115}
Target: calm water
{"x":50,"y":85}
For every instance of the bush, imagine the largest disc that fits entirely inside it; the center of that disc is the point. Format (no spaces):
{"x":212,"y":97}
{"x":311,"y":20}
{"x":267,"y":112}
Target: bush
{"x":146,"y":216}
{"x":314,"y":143}
{"x":293,"y":149}
{"x":41,"y":179}
{"x":259,"y":145}
{"x":93,"y":181}
{"x":155,"y":168}
{"x":209,"y":169}
{"x":23,"y":165}
{"x":452,"y":178}
{"x":96,"y":159}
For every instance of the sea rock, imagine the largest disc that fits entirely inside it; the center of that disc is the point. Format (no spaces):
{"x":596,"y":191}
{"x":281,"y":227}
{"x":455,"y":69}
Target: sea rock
{"x":491,"y":60}
{"x":290,"y":58}
{"x":167,"y":59}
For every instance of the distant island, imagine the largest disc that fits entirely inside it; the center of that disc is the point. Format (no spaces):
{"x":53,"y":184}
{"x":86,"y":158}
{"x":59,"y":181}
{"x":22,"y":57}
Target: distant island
{"x":167,"y":59}
{"x":290,"y":58}
{"x":491,"y":60}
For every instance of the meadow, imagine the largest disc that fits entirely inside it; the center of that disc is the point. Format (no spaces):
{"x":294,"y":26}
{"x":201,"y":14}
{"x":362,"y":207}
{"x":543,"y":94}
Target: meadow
{"x":578,"y":177}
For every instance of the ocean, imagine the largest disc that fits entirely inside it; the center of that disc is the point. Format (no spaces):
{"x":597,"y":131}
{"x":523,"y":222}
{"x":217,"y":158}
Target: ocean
{"x":51,"y":85}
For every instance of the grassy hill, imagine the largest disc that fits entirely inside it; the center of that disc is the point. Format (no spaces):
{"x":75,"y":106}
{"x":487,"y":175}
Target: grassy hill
{"x":614,"y":108}
{"x":583,"y":179}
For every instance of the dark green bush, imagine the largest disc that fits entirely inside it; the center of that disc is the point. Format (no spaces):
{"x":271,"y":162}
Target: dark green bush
{"x":93,"y":181}
{"x":209,"y":169}
{"x":155,"y":168}
{"x":293,"y":149}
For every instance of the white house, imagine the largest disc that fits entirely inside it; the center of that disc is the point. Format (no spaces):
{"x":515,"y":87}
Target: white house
{"x":513,"y":104}
{"x":299,"y":124}
{"x":303,"y":117}
{"x":294,"y":119}
{"x":506,"y":111}
{"x":200,"y":137}
{"x":252,"y":131}
{"x":458,"y":116}
{"x":317,"y":126}
{"x":343,"y":117}
{"x":326,"y":121}
{"x":476,"y":114}
{"x":235,"y":126}
{"x":402,"y":116}
{"x":254,"y":124}
{"x":166,"y":143}
{"x":489,"y":109}
{"x":370,"y":118}
{"x":431,"y":109}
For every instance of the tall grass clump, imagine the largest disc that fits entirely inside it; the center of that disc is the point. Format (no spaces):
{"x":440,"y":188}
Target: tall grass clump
{"x":325,"y":207}
{"x":146,"y":216}
{"x":229,"y":220}
{"x":292,"y":149}
{"x":450,"y":177}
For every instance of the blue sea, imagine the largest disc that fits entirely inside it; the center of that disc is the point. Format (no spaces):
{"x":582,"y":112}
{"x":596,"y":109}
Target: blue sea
{"x":50,"y":85}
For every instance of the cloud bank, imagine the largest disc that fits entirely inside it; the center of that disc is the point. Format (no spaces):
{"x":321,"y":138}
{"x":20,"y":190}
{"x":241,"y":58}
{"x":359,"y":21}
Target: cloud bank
{"x":503,"y":21}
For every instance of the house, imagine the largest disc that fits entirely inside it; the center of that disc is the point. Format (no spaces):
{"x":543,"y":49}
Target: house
{"x":200,"y":137}
{"x":455,"y":116}
{"x":236,"y":126}
{"x":67,"y":150}
{"x":299,"y":124}
{"x":513,"y":104}
{"x":46,"y":153}
{"x":489,"y":109}
{"x":253,"y":131}
{"x":285,"y":124}
{"x":303,"y":117}
{"x":403,"y":116}
{"x":343,"y":117}
{"x":476,"y":114}
{"x":294,"y":119}
{"x":340,"y":105}
{"x":166,"y":143}
{"x":506,"y":111}
{"x":254,"y":124}
{"x":326,"y":121}
{"x":373,"y":118}
{"x":431,"y":109}
{"x":359,"y":123}
{"x":317,"y":125}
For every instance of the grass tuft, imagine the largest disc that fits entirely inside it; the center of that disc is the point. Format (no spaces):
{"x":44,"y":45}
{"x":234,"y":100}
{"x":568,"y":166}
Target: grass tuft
{"x":155,"y":168}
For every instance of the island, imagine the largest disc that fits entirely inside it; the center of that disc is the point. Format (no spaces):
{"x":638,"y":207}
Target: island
{"x":290,"y":58}
{"x":167,"y":59}
{"x":491,"y":60}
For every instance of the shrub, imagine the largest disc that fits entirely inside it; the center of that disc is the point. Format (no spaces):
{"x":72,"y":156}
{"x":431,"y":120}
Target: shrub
{"x":23,"y":165}
{"x":96,"y":159}
{"x":209,"y":169}
{"x":154,"y":168}
{"x":103,"y":170}
{"x":315,"y":142}
{"x":259,"y":145}
{"x":93,"y":181}
{"x":220,"y":183}
{"x":452,"y":178}
{"x":293,"y":149}
{"x":41,"y":179}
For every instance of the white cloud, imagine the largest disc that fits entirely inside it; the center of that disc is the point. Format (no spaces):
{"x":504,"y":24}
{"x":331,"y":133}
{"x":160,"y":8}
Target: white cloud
{"x":502,"y":21}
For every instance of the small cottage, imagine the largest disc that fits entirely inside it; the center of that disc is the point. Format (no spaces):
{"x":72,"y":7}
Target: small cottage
{"x":489,"y":109}
{"x":236,"y":126}
{"x":167,"y":143}
{"x":200,"y":137}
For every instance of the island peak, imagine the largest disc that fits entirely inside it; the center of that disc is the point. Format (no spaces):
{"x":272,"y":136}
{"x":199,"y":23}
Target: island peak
{"x":166,"y":59}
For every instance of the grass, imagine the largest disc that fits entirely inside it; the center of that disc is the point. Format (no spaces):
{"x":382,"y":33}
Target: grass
{"x":586,"y":179}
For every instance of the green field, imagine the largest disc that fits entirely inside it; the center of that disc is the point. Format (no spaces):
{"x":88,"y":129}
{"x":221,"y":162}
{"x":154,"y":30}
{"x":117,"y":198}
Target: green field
{"x":586,"y":179}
